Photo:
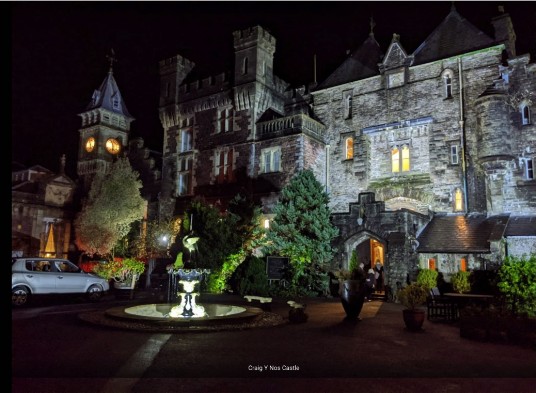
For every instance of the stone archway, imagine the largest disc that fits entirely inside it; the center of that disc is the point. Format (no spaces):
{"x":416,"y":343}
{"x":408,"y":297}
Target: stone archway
{"x":369,"y":248}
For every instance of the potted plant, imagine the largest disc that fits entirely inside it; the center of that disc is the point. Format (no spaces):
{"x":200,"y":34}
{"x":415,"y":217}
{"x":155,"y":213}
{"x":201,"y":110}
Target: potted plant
{"x":352,"y":291}
{"x":412,"y":297}
{"x":124,"y":273}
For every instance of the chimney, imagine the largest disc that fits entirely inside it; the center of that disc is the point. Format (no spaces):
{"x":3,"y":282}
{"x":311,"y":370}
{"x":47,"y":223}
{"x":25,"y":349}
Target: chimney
{"x":504,"y":32}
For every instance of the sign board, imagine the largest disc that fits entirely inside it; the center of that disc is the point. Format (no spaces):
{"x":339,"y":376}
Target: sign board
{"x":275,"y":267}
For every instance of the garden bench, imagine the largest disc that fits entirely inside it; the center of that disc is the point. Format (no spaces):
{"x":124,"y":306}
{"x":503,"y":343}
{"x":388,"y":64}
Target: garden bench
{"x":264,"y":301}
{"x":441,"y":307}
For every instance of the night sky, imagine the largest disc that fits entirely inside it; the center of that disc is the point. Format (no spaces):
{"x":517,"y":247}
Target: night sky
{"x":59,"y":53}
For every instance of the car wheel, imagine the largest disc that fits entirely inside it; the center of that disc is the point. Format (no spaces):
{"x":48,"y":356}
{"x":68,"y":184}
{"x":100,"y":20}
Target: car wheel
{"x":20,"y":296}
{"x":94,"y":293}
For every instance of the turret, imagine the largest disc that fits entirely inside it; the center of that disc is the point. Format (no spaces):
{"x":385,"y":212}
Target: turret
{"x":254,"y":55}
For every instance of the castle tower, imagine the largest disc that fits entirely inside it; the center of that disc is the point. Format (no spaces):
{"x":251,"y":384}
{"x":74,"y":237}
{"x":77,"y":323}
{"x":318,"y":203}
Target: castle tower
{"x":254,"y":56}
{"x":105,"y":129}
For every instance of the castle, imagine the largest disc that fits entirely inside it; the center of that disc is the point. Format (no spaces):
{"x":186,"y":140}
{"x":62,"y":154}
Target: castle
{"x":427,"y":158}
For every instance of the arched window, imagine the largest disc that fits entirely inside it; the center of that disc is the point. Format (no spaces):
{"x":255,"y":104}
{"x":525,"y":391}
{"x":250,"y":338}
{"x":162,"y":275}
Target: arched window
{"x":458,"y":200}
{"x":448,"y":86}
{"x":525,"y":114}
{"x":245,"y":66}
{"x":349,"y":143}
{"x":448,"y":77}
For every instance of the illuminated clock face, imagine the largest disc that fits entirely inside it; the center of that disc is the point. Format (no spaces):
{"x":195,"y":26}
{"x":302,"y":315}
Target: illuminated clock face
{"x":90,"y":144}
{"x":112,"y":146}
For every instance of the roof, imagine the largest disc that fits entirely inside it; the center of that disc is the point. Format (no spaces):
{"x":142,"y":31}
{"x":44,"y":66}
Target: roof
{"x":521,"y":226}
{"x":459,"y":234}
{"x":453,"y":36}
{"x":361,"y":64}
{"x":108,"y":97}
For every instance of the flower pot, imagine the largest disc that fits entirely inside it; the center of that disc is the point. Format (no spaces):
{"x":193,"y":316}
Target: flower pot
{"x":413,"y":319}
{"x":352,"y":294}
{"x":123,"y":290}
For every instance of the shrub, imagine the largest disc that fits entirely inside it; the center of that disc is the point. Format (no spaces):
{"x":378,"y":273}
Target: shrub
{"x":427,"y":278}
{"x":250,"y":277}
{"x":517,"y":281}
{"x":120,"y":270}
{"x":353,"y":262}
{"x":412,"y":295}
{"x":460,"y":282}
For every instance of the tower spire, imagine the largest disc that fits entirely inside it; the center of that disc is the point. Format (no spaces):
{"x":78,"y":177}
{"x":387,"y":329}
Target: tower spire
{"x":372,"y":25}
{"x":112,"y":59}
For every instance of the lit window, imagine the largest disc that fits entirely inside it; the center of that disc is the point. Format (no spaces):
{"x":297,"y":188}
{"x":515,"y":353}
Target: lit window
{"x":395,"y":159}
{"x":349,"y":142}
{"x":431,"y":264}
{"x":267,"y":223}
{"x":458,"y":200}
{"x":529,"y":169}
{"x":271,"y":160}
{"x":186,"y":141}
{"x":400,"y":160}
{"x":525,"y":114}
{"x":405,"y":158}
{"x":454,"y":159}
{"x":463,"y":265}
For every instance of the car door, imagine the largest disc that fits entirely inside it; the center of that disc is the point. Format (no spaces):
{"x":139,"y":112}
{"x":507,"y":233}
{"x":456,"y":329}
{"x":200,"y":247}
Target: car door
{"x":40,"y":279}
{"x":69,"y":278}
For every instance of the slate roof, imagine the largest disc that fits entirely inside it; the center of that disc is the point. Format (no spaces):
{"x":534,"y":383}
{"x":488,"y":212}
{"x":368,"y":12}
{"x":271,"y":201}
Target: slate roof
{"x":361,"y":64}
{"x":521,"y":226}
{"x":453,"y":36}
{"x":459,"y":234}
{"x":105,"y":96}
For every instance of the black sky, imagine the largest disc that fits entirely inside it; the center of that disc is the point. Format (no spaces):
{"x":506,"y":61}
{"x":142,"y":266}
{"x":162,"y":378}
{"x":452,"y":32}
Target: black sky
{"x":59,"y":52}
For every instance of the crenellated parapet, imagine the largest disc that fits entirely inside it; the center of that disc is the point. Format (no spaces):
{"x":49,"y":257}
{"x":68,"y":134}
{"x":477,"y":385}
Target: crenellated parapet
{"x":254,"y":36}
{"x":202,"y":87}
{"x":291,"y":125}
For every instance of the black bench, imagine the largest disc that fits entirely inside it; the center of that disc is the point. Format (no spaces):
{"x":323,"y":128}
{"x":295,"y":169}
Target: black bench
{"x":441,"y":307}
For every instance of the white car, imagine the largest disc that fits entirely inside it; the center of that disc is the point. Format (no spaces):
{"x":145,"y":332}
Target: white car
{"x":40,"y":276}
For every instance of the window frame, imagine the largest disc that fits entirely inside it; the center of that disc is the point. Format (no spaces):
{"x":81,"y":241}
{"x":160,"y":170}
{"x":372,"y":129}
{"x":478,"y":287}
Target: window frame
{"x":275,"y":163}
{"x":401,"y":160}
{"x":349,"y":147}
{"x":458,"y":200}
{"x":455,"y":154}
{"x":524,"y":109}
{"x":529,"y":168}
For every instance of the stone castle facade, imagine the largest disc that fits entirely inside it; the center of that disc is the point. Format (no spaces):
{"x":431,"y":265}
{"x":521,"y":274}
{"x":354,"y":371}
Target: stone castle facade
{"x":396,"y":138}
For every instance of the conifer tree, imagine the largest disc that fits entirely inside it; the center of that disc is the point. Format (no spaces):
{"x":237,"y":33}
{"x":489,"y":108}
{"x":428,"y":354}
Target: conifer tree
{"x":301,"y":229}
{"x":113,"y":204}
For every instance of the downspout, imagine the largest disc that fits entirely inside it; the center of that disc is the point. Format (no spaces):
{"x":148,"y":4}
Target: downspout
{"x":462,"y":136}
{"x":327,"y":168}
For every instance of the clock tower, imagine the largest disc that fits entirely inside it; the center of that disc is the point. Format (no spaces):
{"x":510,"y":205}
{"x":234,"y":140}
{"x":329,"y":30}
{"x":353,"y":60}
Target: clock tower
{"x":105,"y":129}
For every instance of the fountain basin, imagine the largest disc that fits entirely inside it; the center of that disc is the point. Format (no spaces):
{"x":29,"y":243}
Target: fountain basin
{"x":157,"y":314}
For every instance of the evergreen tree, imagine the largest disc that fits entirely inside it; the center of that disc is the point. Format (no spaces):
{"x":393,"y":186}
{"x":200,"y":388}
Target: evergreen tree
{"x":114,"y":203}
{"x":301,"y":229}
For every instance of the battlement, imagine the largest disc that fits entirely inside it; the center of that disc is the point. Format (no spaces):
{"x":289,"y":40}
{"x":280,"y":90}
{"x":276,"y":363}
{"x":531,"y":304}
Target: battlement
{"x":252,"y":35}
{"x":209,"y":85}
{"x":175,"y":64}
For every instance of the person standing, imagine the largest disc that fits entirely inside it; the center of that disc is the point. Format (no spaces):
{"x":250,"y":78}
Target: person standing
{"x":378,"y":274}
{"x":370,"y":283}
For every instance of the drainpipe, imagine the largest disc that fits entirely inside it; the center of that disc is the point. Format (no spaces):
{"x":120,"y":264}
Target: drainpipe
{"x":327,"y":167}
{"x":462,"y":136}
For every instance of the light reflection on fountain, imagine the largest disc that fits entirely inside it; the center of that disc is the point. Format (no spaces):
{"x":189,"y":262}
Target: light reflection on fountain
{"x":188,"y":308}
{"x":188,"y":313}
